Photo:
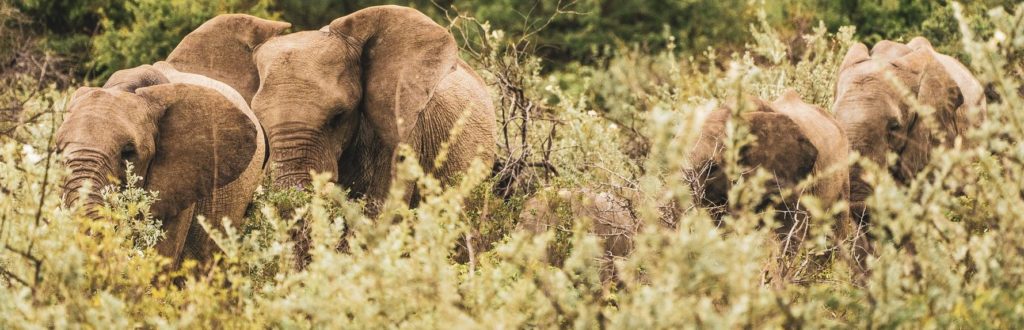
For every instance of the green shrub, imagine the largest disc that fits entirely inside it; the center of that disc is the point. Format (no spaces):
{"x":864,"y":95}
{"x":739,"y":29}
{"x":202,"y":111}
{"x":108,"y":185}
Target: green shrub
{"x":947,"y":244}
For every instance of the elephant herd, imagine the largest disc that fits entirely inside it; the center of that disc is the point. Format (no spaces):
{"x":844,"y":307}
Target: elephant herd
{"x":807,"y":150}
{"x":237,"y":100}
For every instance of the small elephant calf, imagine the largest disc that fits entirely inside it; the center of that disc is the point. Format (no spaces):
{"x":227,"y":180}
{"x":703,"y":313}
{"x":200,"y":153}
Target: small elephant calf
{"x":611,"y":219}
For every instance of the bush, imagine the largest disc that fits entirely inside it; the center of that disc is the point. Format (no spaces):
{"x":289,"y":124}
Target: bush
{"x":947,"y":244}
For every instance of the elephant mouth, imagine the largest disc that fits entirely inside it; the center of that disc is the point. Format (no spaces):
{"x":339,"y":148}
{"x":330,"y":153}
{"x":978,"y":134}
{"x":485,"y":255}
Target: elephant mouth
{"x":297,"y":151}
{"x":296,"y":179}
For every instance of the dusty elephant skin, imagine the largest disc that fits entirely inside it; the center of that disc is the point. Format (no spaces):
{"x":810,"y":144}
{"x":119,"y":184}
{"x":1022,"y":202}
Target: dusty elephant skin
{"x":192,"y":139}
{"x":794,"y":140}
{"x":341,"y":100}
{"x":877,"y":118}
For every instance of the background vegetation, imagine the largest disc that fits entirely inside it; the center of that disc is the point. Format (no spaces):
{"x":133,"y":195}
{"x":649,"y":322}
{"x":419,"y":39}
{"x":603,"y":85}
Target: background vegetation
{"x":603,"y":95}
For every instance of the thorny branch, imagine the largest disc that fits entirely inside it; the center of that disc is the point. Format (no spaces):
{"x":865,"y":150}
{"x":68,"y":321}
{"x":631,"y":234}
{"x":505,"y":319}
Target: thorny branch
{"x":518,"y":111}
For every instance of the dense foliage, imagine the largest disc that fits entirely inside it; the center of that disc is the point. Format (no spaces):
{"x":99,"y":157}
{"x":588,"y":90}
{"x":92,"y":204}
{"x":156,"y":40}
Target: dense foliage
{"x":947,"y":245}
{"x":102,"y":36}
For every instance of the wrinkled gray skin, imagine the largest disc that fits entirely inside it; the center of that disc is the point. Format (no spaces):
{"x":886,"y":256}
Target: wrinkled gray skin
{"x":193,"y":140}
{"x":341,"y":100}
{"x":877,"y":119}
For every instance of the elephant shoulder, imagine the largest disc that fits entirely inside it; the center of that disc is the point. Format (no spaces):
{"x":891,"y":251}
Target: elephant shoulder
{"x":460,"y":91}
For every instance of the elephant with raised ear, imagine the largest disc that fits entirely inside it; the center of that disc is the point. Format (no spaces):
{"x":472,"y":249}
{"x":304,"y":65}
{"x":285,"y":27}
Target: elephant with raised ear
{"x":222,"y":50}
{"x":794,"y":140}
{"x":340,"y":100}
{"x":192,"y":139}
{"x":878,"y":118}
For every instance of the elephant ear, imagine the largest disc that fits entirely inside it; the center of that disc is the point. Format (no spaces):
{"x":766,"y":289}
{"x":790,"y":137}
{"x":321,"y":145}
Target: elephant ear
{"x":857,"y":54}
{"x":781,"y":148}
{"x":128,"y":80}
{"x":404,"y":56}
{"x":222,"y":49}
{"x":936,"y":88}
{"x":204,"y":141}
{"x":888,"y":50}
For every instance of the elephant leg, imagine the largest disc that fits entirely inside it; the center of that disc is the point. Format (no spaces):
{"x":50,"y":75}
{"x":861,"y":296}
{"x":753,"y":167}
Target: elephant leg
{"x":175,"y":229}
{"x":198,"y":246}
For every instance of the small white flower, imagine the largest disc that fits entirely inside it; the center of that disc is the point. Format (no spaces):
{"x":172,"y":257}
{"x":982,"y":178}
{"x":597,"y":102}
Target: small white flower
{"x":31,"y":154}
{"x":592,"y":113}
{"x":999,"y":36}
{"x":613,"y":127}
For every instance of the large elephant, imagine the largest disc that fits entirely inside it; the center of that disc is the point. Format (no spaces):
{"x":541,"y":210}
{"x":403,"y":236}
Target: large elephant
{"x":876,"y":115}
{"x":340,"y":100}
{"x":794,"y":140}
{"x":193,"y":139}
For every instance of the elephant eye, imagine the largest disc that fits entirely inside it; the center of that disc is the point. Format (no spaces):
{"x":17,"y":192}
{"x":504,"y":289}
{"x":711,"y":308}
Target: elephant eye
{"x":894,"y":125}
{"x":128,"y":151}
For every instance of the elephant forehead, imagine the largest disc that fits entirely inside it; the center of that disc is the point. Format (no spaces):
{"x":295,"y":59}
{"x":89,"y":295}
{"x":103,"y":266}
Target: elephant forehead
{"x":110,"y":104}
{"x":298,"y":46}
{"x":98,"y":130}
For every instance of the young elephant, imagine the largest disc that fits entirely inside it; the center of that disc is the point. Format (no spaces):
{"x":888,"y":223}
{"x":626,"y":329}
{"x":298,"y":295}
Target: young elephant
{"x":878,"y":119}
{"x":200,"y":148}
{"x":611,"y":220}
{"x":794,"y":140}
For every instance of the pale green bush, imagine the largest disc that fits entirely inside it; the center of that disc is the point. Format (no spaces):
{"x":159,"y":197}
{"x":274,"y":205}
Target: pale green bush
{"x":947,"y":245}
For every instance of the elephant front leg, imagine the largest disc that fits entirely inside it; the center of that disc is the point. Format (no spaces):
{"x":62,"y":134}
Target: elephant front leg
{"x":175,"y":233}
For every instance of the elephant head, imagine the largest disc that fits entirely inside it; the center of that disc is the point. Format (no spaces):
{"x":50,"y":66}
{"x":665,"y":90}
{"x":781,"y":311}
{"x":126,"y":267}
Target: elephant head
{"x":184,"y":140}
{"x":341,"y":99}
{"x":878,"y":118}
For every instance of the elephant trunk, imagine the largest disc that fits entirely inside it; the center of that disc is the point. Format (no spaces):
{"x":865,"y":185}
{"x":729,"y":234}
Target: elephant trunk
{"x":871,"y":150}
{"x":298,"y":151}
{"x":859,"y":192}
{"x":87,"y":167}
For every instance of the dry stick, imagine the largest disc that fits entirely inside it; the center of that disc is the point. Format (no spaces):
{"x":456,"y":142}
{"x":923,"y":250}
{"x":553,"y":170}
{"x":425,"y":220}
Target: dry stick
{"x":36,"y":262}
{"x":11,"y":276}
{"x":46,"y":171}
